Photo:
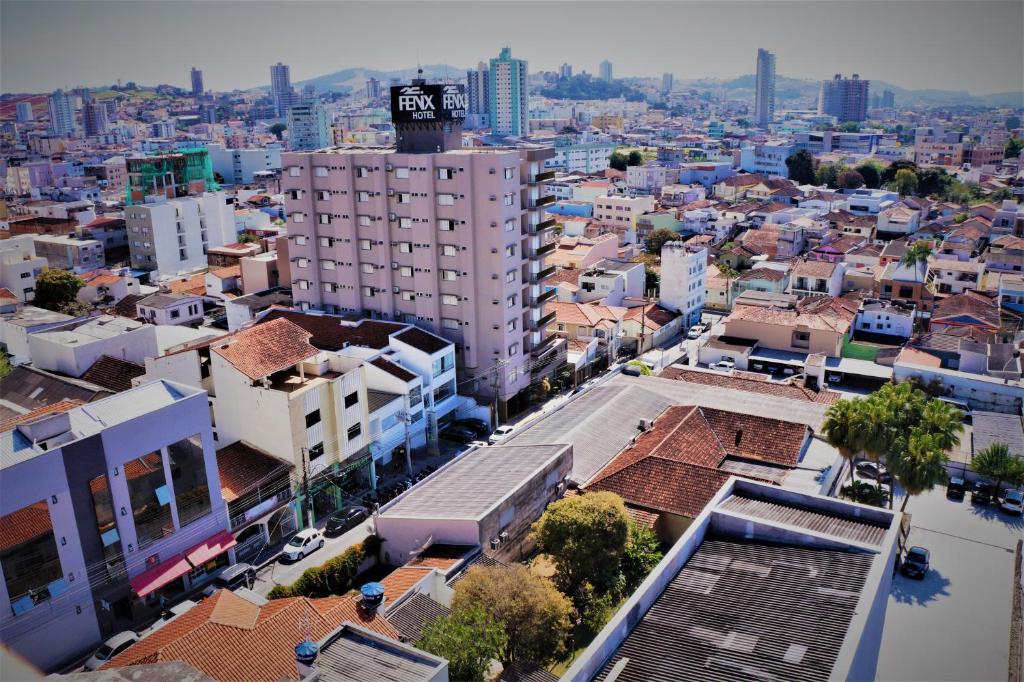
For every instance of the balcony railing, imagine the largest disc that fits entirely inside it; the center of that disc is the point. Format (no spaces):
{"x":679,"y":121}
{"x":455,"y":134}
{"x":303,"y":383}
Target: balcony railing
{"x":546,"y":296}
{"x":545,"y":200}
{"x":545,"y":225}
{"x":261,"y":508}
{"x":544,"y":176}
{"x":545,"y":249}
{"x":545,"y":320}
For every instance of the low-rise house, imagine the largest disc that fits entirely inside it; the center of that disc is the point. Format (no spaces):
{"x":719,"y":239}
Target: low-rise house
{"x":1011,"y":294}
{"x":105,"y":288}
{"x":969,"y":311}
{"x":223,"y":284}
{"x":259,"y":272}
{"x":582,"y":252}
{"x":609,"y":281}
{"x":244,"y":309}
{"x":69,"y":252}
{"x":736,"y":187}
{"x":19,"y":266}
{"x":73,"y":347}
{"x":764,"y":279}
{"x":168,"y":308}
{"x":648,"y":325}
{"x":898,"y":220}
{"x":868,"y":255}
{"x":1005,"y":254}
{"x":889,"y":318}
{"x":852,"y":224}
{"x":814,"y":325}
{"x":107,"y":509}
{"x":817,"y":278}
{"x":231,"y":254}
{"x":488,"y":497}
{"x":954,"y":276}
{"x":985,"y":376}
{"x":836,"y":250}
{"x":964,"y":243}
{"x":585,"y":321}
{"x":256,"y":487}
{"x":906,"y":283}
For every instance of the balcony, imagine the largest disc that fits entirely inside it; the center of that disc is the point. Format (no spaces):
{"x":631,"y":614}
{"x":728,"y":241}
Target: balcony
{"x":544,"y":176}
{"x":545,"y":200}
{"x":545,"y":225}
{"x":545,"y":249}
{"x":543,"y":298}
{"x":541,"y":275}
{"x":545,"y":320}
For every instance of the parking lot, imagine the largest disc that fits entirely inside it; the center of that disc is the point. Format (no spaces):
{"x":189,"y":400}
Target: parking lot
{"x":954,"y":624}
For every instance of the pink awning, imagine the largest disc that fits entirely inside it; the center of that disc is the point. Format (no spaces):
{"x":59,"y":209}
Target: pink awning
{"x":210,"y":548}
{"x":162,"y":574}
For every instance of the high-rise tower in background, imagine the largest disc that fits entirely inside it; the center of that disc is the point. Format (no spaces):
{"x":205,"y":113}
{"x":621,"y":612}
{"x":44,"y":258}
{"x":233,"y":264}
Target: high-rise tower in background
{"x":666,"y":83}
{"x":507,"y":95}
{"x":565,"y":71}
{"x":62,"y":113}
{"x":281,"y":88}
{"x":308,"y":126}
{"x":844,"y":98}
{"x":94,"y":116}
{"x":764,"y":89}
{"x":197,"y":81}
{"x":478,"y":89}
{"x":605,"y":70}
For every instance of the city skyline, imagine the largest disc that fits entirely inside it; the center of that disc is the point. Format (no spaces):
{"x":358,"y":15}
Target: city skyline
{"x":990,"y":62}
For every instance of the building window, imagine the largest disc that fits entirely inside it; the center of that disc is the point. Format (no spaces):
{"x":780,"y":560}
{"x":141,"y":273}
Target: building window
{"x":449,"y":250}
{"x":513,"y":349}
{"x":322,"y":195}
{"x":510,"y":250}
{"x":188,"y":471}
{"x":298,"y":217}
{"x":445,"y":173}
{"x":405,"y":223}
{"x":364,"y":220}
{"x":404,"y":198}
{"x":402,"y":173}
{"x":365,"y":245}
{"x":366,"y":268}
{"x":405,"y":247}
{"x":323,"y":218}
{"x":362,"y":172}
{"x":446,"y":225}
{"x":300,"y":240}
{"x":294,"y":171}
{"x":510,"y":225}
{"x":354,"y":431}
{"x":445,"y":199}
{"x":327,"y":264}
{"x":302,"y":262}
{"x":449,"y":323}
{"x":449,"y":275}
{"x":510,"y":173}
{"x":150,"y":498}
{"x":510,"y":302}
{"x":510,"y":326}
{"x":352,"y":399}
{"x":510,"y":276}
{"x":408,"y":295}
{"x":363,"y":197}
{"x":449,"y":299}
{"x":509,"y":199}
{"x":320,"y":171}
{"x":31,"y":564}
{"x":405,"y":271}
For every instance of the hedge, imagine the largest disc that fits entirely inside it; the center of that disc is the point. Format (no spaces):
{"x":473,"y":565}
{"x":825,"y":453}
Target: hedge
{"x":335,"y":576}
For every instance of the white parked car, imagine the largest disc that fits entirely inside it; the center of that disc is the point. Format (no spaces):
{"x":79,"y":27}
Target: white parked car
{"x":500,"y":434}
{"x":723,"y":366}
{"x":695,"y":332}
{"x":1013,"y":503}
{"x":302,"y":543}
{"x":110,"y":648}
{"x":478,"y":444}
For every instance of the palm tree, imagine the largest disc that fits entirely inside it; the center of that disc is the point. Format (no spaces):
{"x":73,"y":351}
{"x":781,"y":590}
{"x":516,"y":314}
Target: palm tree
{"x":920,"y":466}
{"x":842,"y":428}
{"x":944,"y":423}
{"x":916,"y":257}
{"x":996,"y":462}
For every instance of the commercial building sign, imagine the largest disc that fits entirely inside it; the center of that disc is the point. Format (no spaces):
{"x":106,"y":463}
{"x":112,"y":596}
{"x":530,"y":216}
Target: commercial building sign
{"x":428,"y":103}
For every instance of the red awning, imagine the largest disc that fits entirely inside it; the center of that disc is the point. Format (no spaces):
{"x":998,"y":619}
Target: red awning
{"x":162,"y":574}
{"x":210,"y":548}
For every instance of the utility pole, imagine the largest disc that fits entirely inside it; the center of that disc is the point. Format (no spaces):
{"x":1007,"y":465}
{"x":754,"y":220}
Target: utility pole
{"x":404,"y":417}
{"x":495,"y":380}
{"x":307,"y":514}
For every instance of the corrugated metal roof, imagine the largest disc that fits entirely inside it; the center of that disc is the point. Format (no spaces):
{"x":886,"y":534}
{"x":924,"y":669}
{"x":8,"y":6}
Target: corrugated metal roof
{"x":857,"y":530}
{"x":995,"y":427}
{"x":418,"y":610}
{"x":352,"y":657}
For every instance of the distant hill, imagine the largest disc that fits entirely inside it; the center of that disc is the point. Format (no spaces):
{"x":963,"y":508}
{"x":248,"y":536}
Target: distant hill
{"x":787,"y":88}
{"x":585,"y":86}
{"x":348,"y":80}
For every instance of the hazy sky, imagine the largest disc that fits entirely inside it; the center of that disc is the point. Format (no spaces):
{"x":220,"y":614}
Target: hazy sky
{"x":972,"y":45}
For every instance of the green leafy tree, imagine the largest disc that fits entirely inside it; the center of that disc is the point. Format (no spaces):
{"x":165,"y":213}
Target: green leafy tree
{"x":618,"y":161}
{"x":1013,"y":147}
{"x":849,"y":127}
{"x":534,"y":615}
{"x":657,"y":239}
{"x":916,"y":256}
{"x":933,"y":182}
{"x":850,"y":179}
{"x":872,"y":177}
{"x":593,"y":610}
{"x":5,"y":364}
{"x":468,"y":639}
{"x":277,"y":130}
{"x":56,"y":288}
{"x":642,"y":554}
{"x":890,"y":171}
{"x":801,"y":168}
{"x":575,"y":530}
{"x":905,"y":182}
{"x":644,"y":369}
{"x":828,"y":174}
{"x":842,"y":428}
{"x":635,"y":158}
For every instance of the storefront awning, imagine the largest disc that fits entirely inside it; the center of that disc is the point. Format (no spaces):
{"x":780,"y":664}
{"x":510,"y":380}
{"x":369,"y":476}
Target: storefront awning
{"x":210,"y":548}
{"x":162,"y":574}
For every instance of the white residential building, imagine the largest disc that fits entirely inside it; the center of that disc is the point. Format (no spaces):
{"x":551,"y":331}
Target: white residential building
{"x":892,"y":318}
{"x":237,"y":166}
{"x":581,"y":157}
{"x":684,"y":275}
{"x":649,"y":178}
{"x":168,"y":308}
{"x":19,"y":266}
{"x":68,"y":252}
{"x":172,"y":237}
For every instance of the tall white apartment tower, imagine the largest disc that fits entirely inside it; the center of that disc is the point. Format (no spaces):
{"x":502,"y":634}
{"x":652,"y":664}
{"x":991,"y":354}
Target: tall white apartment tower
{"x":684,"y":279}
{"x":764,"y":89}
{"x":281,"y":89}
{"x":450,"y":239}
{"x":507,"y":94}
{"x":62,"y":113}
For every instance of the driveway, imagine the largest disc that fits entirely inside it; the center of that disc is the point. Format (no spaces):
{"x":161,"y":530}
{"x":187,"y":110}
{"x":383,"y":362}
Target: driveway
{"x":954,"y":624}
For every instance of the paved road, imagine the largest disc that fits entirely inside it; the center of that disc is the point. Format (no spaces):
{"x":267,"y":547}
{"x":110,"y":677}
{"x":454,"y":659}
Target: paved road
{"x":279,"y":573}
{"x":954,"y":624}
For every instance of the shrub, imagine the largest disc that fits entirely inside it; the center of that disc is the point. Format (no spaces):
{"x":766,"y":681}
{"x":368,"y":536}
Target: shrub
{"x":279,"y":592}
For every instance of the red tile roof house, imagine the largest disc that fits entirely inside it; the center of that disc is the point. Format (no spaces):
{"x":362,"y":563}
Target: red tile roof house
{"x":675,"y":467}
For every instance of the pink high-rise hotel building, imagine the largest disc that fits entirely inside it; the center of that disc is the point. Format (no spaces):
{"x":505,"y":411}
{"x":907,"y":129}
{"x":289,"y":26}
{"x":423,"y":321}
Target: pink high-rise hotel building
{"x":450,"y":239}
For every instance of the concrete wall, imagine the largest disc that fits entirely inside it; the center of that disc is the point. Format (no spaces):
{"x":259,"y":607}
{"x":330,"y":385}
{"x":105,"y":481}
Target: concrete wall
{"x":49,"y":353}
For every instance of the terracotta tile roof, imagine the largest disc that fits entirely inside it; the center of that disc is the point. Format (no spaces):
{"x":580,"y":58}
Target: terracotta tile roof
{"x":814,"y":268}
{"x":969,"y":304}
{"x":332,"y":333}
{"x":586,"y":314}
{"x":126,"y":306}
{"x":225,"y":273}
{"x":743,"y":180}
{"x":99,"y":278}
{"x":570,"y":275}
{"x":242,"y":467}
{"x":401,"y":580}
{"x":195,"y":284}
{"x":441,"y":556}
{"x":231,"y":641}
{"x":7,"y":296}
{"x":739,"y":383}
{"x":264,"y":349}
{"x":652,"y":316}
{"x":113,"y":373}
{"x":820,"y":313}
{"x":27,"y":523}
{"x":53,"y":408}
{"x":674,"y":467}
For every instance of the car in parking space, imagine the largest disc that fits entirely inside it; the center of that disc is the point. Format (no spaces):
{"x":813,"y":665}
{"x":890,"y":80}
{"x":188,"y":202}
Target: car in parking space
{"x":110,"y":648}
{"x":983,"y":493}
{"x":1013,"y":502}
{"x":500,"y":434}
{"x":303,"y":543}
{"x":723,"y":366}
{"x":478,"y":444}
{"x":915,"y":563}
{"x":874,"y":471}
{"x":458,"y":434}
{"x":695,"y":331}
{"x":479,"y":426}
{"x":956,"y":488}
{"x":345,"y":520}
{"x":631,"y":370}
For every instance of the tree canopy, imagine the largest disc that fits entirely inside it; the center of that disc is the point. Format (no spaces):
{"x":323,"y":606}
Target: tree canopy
{"x":828,"y":174}
{"x":618,"y":161}
{"x":56,"y":289}
{"x":905,"y":182}
{"x":890,"y":171}
{"x":585,"y":86}
{"x":469,"y":639}
{"x":635,"y":158}
{"x":999,"y":464}
{"x":871,"y":175}
{"x":657,"y":239}
{"x":1013,"y":147}
{"x":850,"y":179}
{"x":535,"y":617}
{"x":801,"y":168}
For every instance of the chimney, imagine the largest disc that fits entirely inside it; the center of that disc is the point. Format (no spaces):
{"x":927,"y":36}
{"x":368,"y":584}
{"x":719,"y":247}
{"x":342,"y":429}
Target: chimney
{"x":373,"y":597}
{"x":305,"y":658}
